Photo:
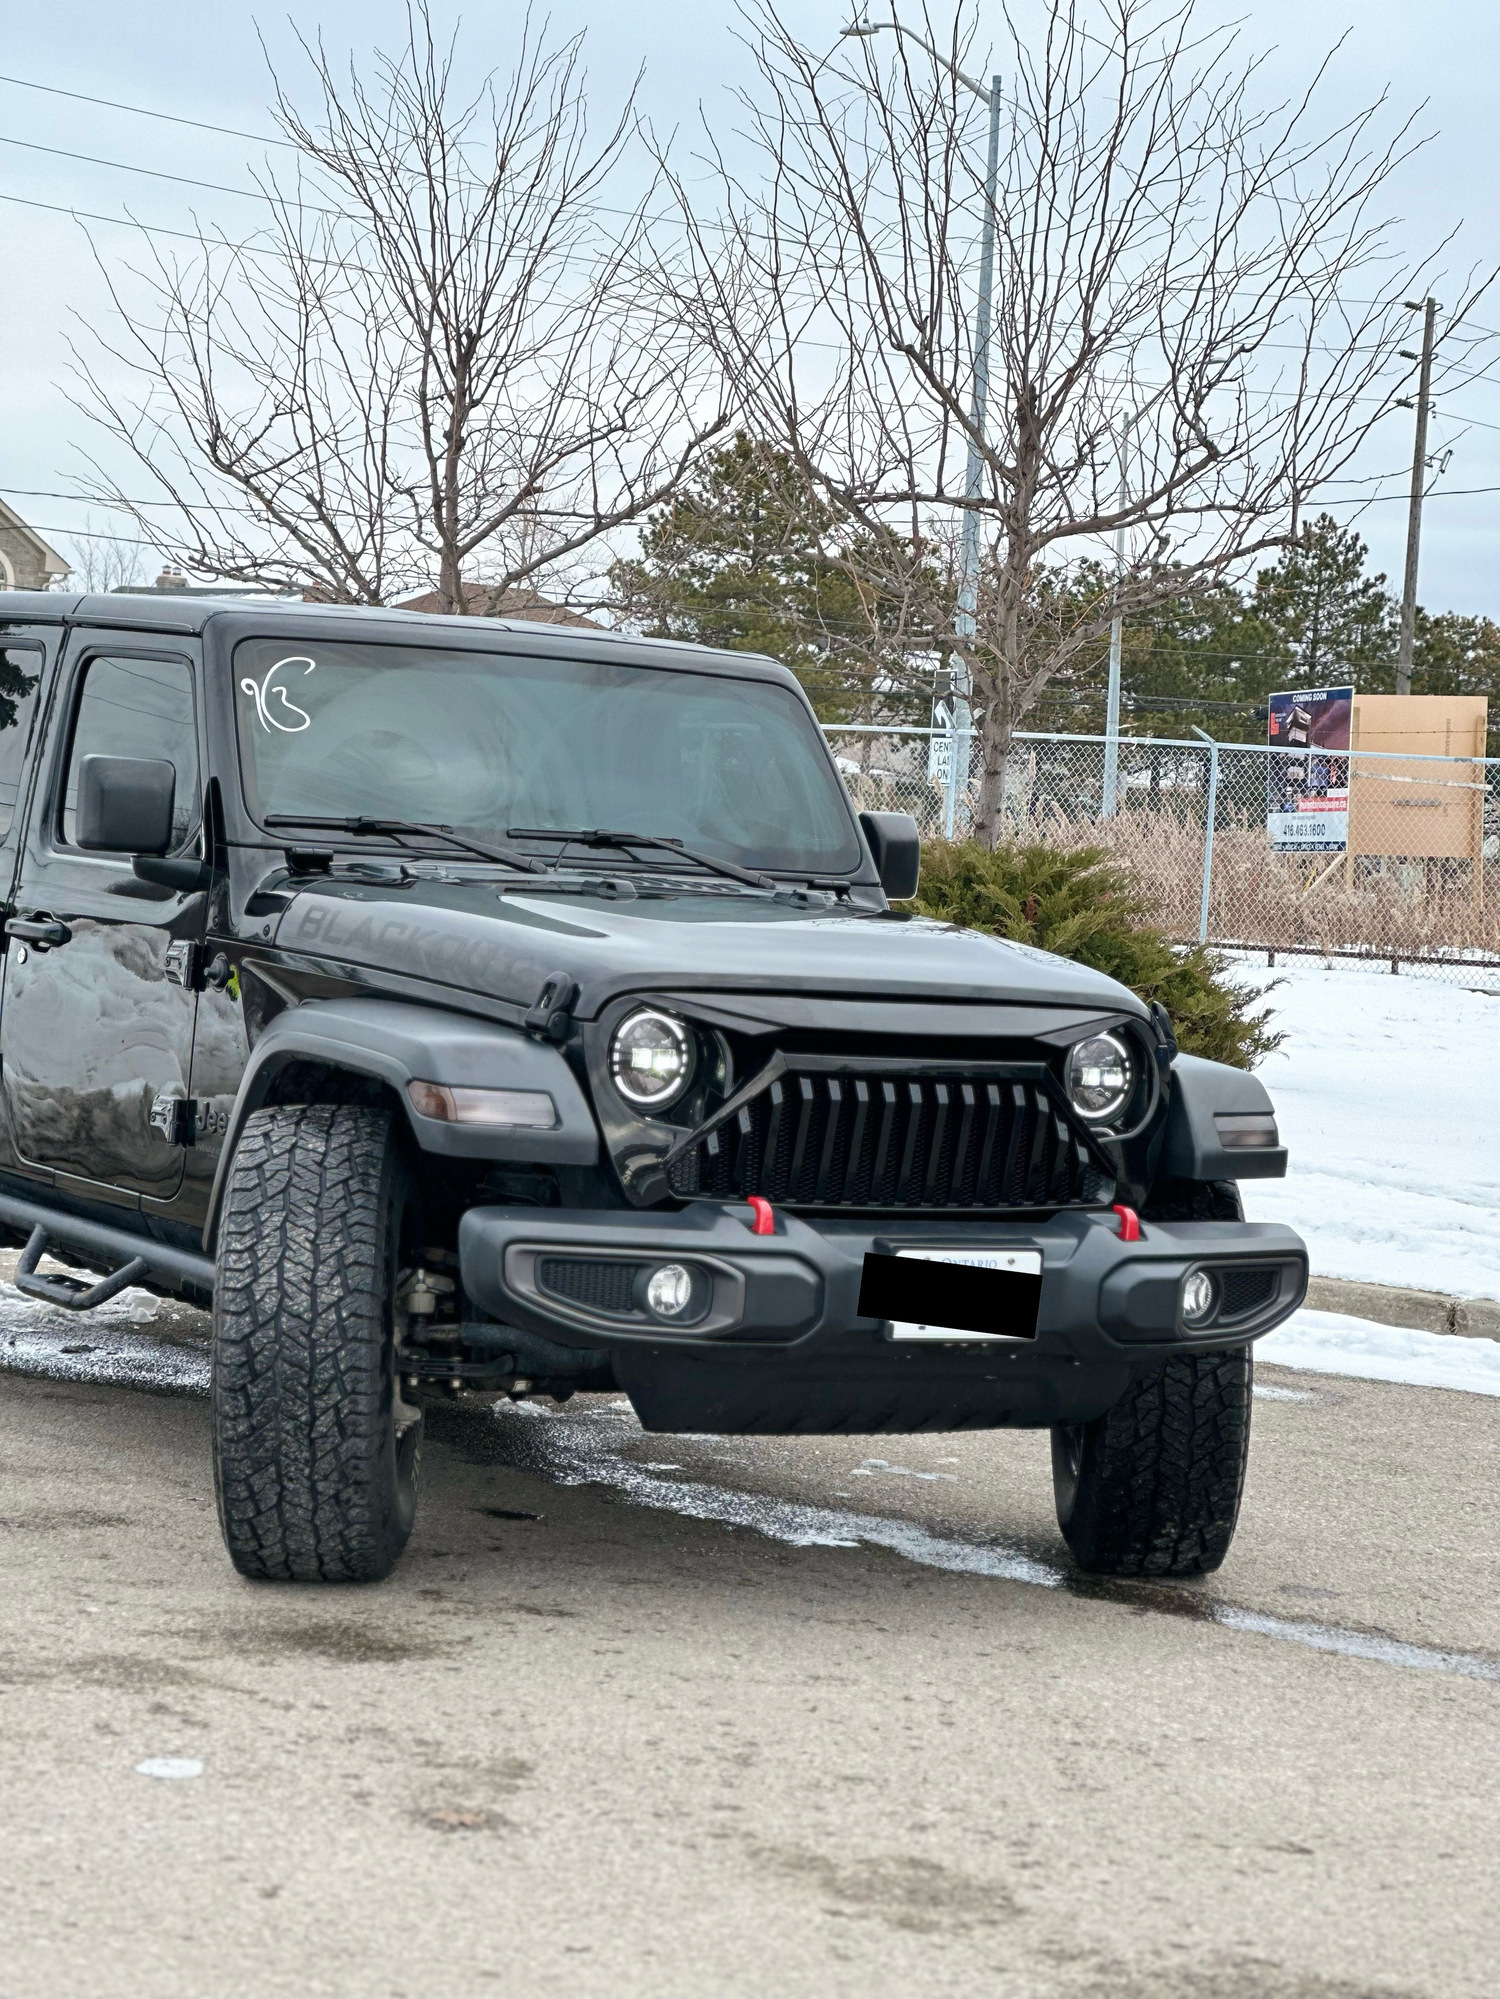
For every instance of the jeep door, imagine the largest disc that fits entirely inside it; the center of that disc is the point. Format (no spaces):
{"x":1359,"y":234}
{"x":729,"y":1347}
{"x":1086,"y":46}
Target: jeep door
{"x":24,"y":661}
{"x":96,"y":1030}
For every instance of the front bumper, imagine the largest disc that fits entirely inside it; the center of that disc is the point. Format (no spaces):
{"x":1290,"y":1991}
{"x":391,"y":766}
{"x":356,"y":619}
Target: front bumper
{"x":779,"y":1344}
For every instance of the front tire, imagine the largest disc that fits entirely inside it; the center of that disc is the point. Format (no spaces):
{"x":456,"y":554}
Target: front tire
{"x":1152,"y":1487}
{"x":315,"y":1455}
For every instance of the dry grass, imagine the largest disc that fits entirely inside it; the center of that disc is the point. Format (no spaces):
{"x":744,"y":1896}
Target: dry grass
{"x":1269,"y":901}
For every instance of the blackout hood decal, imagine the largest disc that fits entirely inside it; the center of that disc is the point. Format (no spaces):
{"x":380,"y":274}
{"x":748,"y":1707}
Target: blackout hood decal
{"x":470,"y":936}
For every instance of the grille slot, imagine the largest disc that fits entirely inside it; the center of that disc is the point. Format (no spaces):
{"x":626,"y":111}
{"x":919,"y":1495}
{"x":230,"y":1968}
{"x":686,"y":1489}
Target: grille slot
{"x":874,"y":1138}
{"x":588,"y":1281}
{"x":1245,"y":1290}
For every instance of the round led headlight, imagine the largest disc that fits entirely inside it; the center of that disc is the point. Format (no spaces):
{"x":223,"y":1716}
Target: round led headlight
{"x":1100,"y":1076}
{"x":651,"y":1059}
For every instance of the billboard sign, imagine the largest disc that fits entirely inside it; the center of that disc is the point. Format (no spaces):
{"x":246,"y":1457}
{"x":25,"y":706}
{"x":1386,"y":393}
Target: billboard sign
{"x":1307,"y":787}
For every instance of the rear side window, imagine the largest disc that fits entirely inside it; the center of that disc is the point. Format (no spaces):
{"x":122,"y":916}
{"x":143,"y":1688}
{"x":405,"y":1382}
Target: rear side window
{"x":20,"y":677}
{"x":137,"y":708}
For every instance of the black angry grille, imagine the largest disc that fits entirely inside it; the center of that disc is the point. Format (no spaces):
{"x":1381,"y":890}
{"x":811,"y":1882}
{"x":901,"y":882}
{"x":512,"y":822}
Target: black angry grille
{"x":604,"y":1287}
{"x":1244,"y":1290}
{"x":823,"y":1137}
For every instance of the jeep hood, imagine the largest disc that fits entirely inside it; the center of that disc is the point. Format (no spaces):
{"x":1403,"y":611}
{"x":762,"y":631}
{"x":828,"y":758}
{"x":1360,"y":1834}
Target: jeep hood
{"x":477,"y":938}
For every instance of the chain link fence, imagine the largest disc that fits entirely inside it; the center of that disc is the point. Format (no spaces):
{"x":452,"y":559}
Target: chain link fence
{"x":1233,"y":841}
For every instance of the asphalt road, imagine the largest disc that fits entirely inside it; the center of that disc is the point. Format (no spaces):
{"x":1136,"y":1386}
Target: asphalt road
{"x":661,"y":1716}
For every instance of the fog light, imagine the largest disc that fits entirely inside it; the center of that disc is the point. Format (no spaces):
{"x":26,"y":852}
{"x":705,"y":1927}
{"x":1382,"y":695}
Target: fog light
{"x":1200,"y":1295}
{"x":669,"y":1291}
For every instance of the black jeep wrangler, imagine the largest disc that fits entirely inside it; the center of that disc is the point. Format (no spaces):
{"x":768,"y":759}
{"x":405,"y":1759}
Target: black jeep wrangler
{"x":461,"y":1005}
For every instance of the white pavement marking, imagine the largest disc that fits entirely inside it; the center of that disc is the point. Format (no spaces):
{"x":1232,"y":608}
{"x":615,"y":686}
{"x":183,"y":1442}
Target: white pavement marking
{"x":174,"y":1768}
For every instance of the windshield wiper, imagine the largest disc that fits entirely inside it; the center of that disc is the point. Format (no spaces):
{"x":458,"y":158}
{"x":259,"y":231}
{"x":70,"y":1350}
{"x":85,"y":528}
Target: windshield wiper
{"x":399,"y":828}
{"x":597,"y":837}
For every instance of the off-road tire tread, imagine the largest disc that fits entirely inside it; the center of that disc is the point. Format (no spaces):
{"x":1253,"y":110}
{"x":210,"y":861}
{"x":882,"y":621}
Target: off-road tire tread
{"x":301,"y":1410}
{"x":1163,"y":1470}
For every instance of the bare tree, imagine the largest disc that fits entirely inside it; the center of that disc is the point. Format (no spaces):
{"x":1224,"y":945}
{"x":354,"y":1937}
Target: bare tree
{"x":104,"y":561}
{"x":435,"y":363}
{"x":1170,"y":259}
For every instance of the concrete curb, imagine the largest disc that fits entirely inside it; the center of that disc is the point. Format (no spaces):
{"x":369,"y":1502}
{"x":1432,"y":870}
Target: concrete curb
{"x":1390,"y":1305}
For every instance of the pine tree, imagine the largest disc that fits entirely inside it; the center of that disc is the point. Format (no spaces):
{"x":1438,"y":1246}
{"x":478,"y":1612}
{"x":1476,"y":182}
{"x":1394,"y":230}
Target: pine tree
{"x":743,"y":559}
{"x":1325,"y":621}
{"x":1455,"y":654}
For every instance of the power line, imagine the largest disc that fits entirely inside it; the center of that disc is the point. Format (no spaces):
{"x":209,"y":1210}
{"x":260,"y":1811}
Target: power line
{"x":156,"y":229}
{"x":140,"y":111}
{"x":288,"y":145}
{"x":224,"y":131}
{"x":205,"y":241}
{"x":1436,"y":493}
{"x":89,"y":534}
{"x":182,"y":180}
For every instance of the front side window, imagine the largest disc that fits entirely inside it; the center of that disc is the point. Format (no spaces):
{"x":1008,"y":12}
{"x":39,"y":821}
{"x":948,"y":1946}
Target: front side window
{"x":485,"y":743}
{"x":20,"y":677}
{"x":138,"y":708}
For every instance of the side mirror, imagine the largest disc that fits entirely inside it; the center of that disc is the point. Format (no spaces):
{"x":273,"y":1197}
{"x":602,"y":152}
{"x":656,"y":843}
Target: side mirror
{"x":896,"y":847}
{"x":125,"y":804}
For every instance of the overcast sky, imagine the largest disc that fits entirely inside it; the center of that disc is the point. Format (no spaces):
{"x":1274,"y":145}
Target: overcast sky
{"x":204,"y":61}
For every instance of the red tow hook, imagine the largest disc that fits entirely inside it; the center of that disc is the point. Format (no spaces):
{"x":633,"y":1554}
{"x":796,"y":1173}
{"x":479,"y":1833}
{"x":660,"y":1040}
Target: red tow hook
{"x":765,"y":1217}
{"x":1130,"y":1224}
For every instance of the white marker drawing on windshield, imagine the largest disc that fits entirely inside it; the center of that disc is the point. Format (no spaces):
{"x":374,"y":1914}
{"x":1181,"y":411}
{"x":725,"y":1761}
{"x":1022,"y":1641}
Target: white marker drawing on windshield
{"x":262,"y":694}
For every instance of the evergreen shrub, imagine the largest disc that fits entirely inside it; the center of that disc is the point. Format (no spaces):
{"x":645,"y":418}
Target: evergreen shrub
{"x":1082,"y":905}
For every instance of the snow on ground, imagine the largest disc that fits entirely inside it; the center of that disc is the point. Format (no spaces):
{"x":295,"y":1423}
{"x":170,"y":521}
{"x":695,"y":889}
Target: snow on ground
{"x":1330,"y":1343}
{"x":1387,"y":1091}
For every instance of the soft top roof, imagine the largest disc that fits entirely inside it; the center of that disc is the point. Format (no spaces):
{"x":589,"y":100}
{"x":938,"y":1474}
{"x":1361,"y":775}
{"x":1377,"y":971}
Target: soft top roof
{"x":241,"y":618}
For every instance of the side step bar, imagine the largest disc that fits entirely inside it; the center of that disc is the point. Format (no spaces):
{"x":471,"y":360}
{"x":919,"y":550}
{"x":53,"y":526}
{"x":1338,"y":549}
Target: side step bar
{"x":139,"y":1256}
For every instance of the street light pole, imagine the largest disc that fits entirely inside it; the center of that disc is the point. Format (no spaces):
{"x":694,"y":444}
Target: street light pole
{"x":966,"y":623}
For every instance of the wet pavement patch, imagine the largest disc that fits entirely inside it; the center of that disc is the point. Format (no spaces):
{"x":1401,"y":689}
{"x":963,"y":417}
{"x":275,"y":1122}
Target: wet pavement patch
{"x":65,"y":1519}
{"x":587,"y":1449}
{"x":904,"y":1891}
{"x":341,"y":1644}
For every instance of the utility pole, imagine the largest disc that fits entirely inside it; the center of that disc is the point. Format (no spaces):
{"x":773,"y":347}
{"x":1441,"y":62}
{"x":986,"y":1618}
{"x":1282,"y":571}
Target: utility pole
{"x":1428,"y":309}
{"x":1110,"y":800}
{"x":965,"y":624}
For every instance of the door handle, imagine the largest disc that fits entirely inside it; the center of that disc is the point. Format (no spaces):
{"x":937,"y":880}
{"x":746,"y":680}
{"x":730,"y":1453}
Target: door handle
{"x":46,"y":933}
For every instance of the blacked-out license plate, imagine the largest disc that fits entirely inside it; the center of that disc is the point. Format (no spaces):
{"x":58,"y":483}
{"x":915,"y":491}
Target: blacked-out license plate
{"x":942,"y":1294}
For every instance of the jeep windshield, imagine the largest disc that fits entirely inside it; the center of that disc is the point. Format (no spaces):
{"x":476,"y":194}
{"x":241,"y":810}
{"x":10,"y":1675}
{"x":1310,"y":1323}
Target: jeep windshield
{"x":483,"y":742}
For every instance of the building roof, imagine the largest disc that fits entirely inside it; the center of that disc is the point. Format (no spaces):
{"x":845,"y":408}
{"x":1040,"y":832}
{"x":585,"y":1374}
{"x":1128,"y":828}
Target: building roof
{"x":484,"y":601}
{"x":52,"y":563}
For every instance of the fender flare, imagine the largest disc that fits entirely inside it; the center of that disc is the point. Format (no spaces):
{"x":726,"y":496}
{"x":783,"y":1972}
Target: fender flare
{"x":1194,"y":1147}
{"x":398,"y":1043}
